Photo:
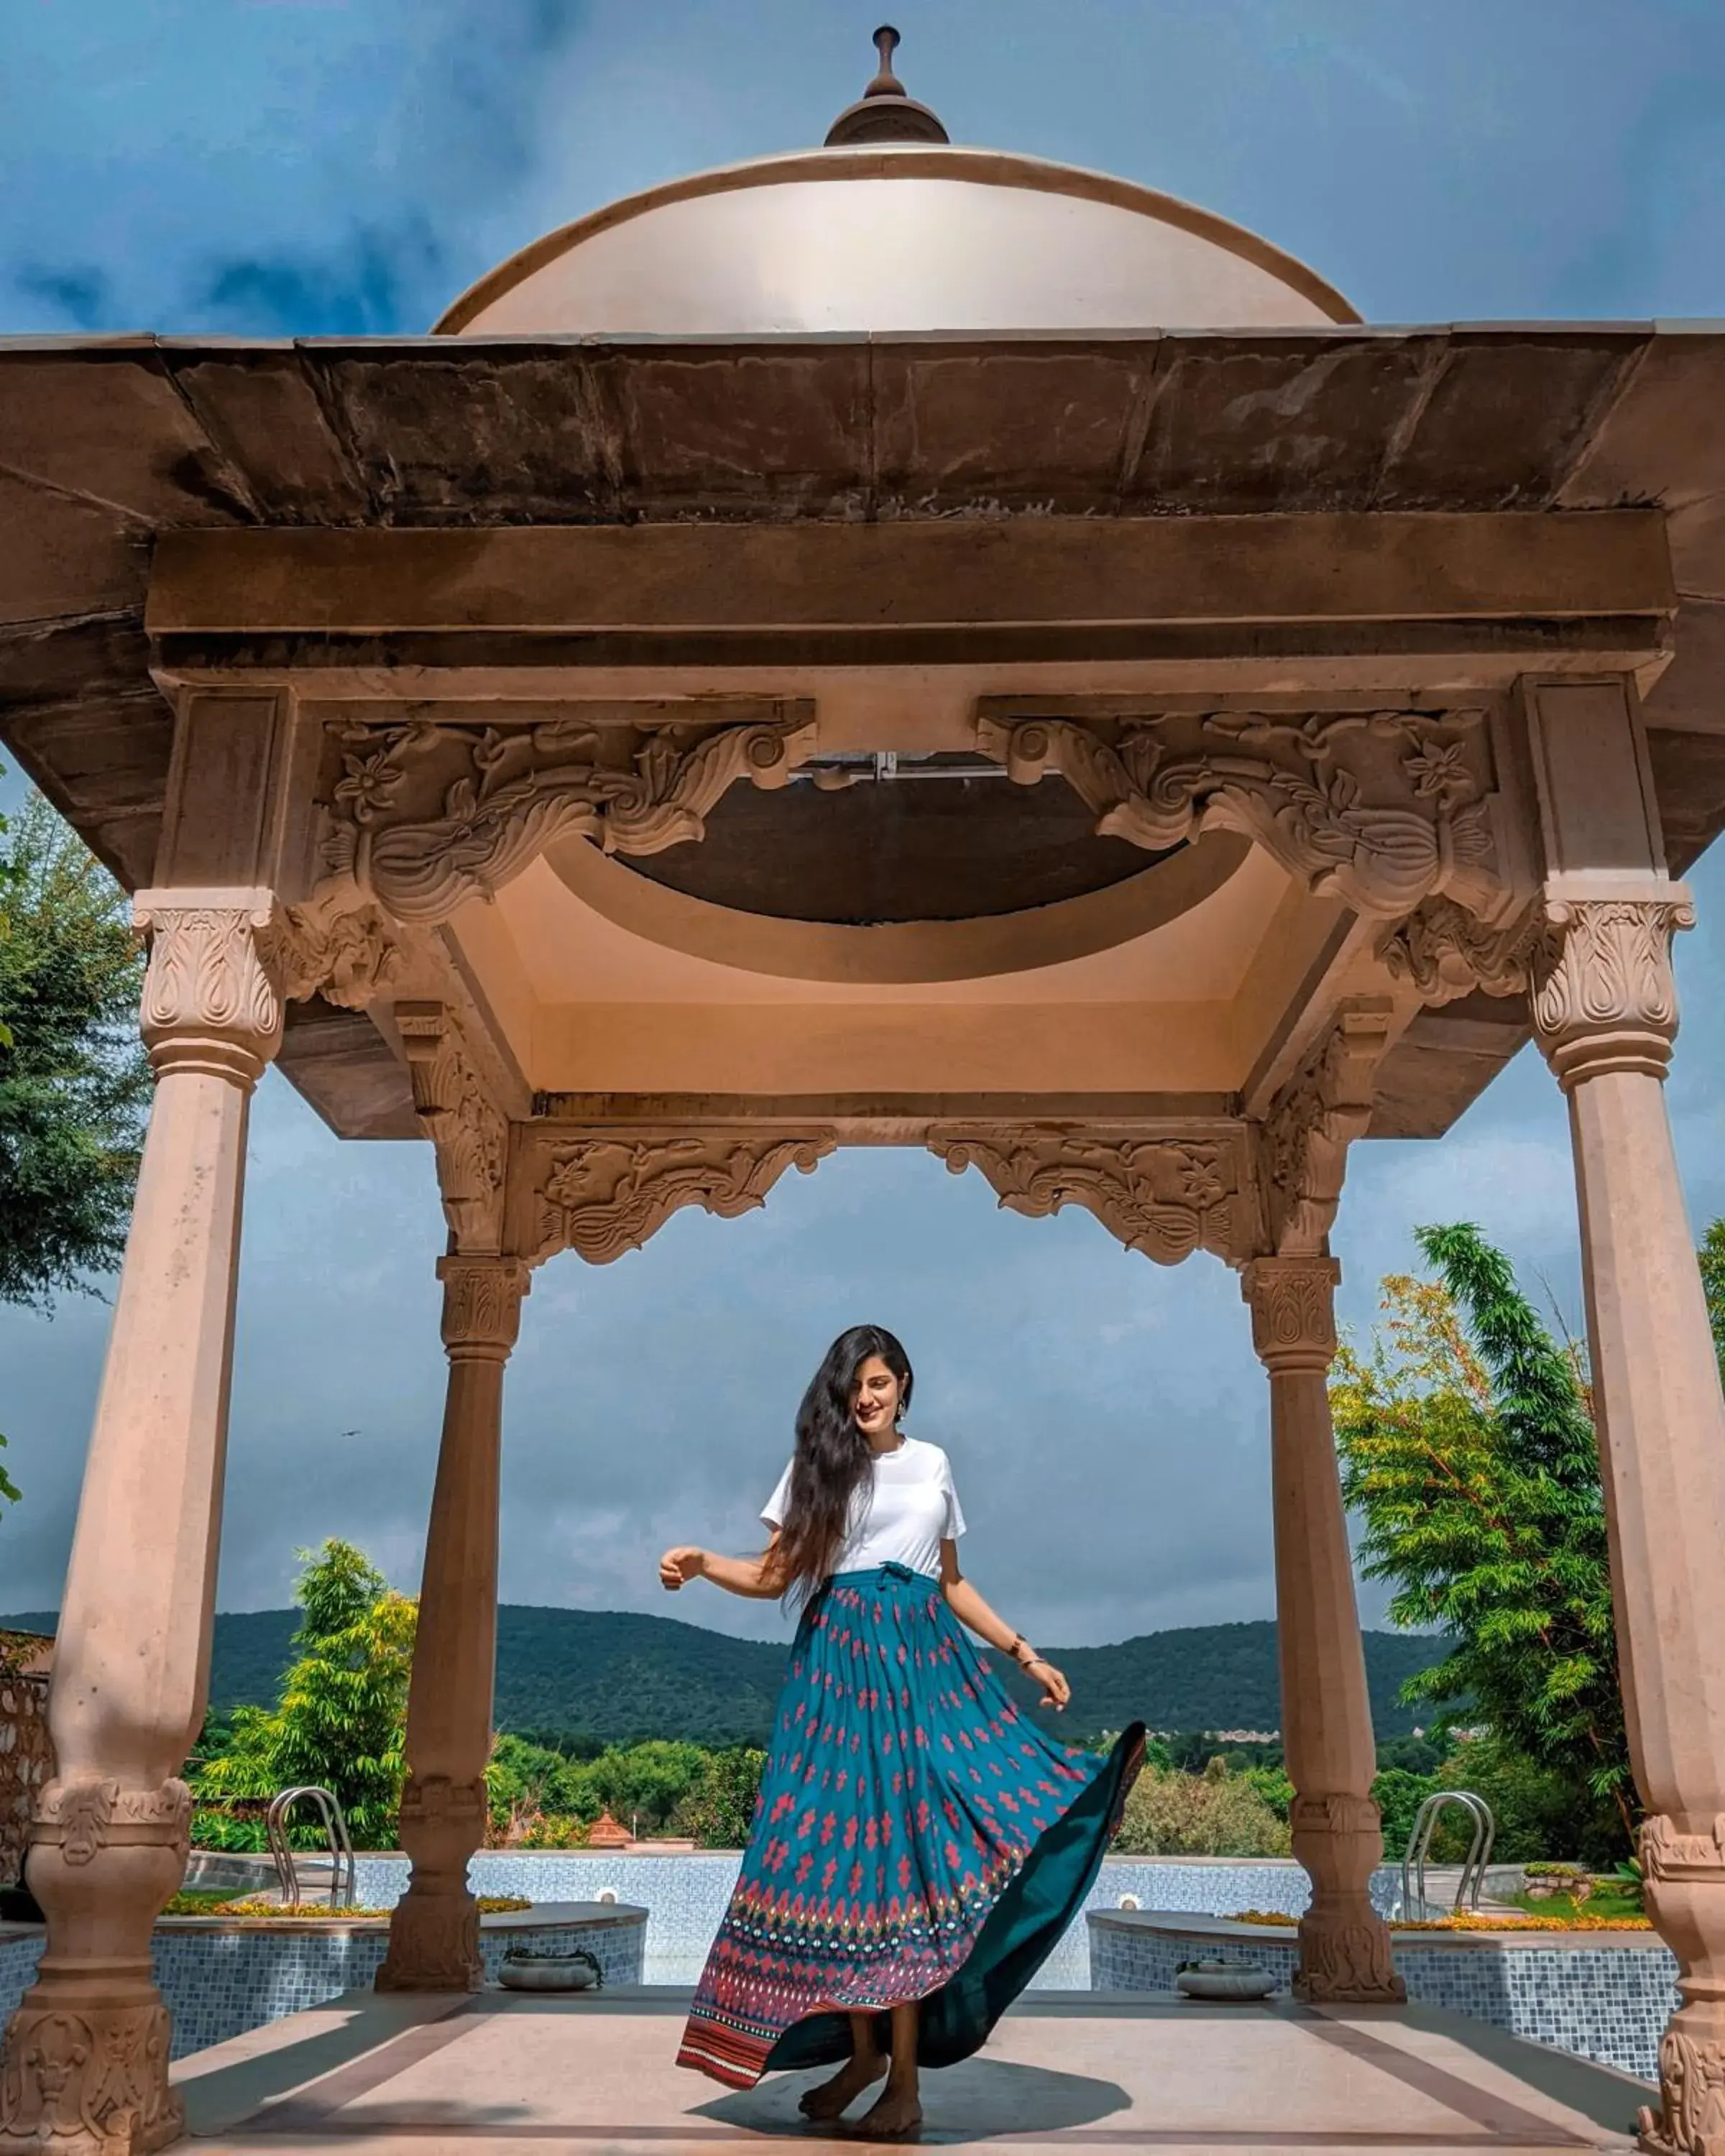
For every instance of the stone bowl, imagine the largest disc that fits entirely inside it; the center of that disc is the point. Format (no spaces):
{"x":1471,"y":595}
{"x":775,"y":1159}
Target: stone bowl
{"x":1223,"y":1981}
{"x":574,"y":1971}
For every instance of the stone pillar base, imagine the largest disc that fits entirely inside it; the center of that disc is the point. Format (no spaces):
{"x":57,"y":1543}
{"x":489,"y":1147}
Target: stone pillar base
{"x":433,"y":1943}
{"x":85,"y":2071}
{"x":1690,"y":2119}
{"x":1345,"y":1958}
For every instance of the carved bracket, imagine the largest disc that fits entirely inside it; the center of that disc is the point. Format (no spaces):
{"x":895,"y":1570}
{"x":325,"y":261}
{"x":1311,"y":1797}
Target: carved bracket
{"x":1381,"y":810}
{"x":1313,"y":1122}
{"x":1164,"y":1196}
{"x":1446,"y":952}
{"x":467,"y":1128}
{"x":348,"y":958}
{"x":425,"y":816}
{"x":603,"y":1193}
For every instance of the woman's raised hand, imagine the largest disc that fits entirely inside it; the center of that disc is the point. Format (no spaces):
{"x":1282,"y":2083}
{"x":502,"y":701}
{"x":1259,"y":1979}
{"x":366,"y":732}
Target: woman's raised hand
{"x":678,"y":1567}
{"x":1055,"y":1690}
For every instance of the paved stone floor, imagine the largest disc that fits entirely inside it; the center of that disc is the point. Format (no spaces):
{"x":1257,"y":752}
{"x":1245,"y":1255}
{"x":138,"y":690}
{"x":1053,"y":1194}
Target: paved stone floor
{"x":480,"y":2076}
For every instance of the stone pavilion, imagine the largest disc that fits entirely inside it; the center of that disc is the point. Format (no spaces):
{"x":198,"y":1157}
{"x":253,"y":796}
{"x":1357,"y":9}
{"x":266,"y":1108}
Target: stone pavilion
{"x":892,"y":644}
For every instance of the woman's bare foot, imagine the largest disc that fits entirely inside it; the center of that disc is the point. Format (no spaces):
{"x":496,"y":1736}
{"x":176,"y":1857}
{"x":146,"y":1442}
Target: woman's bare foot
{"x":832,"y":2097}
{"x":895,"y":2115}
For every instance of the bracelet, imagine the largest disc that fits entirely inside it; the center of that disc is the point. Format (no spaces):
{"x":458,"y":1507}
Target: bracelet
{"x":1024,"y":1662}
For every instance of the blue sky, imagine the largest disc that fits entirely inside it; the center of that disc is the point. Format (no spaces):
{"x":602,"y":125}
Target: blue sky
{"x":276,"y":168}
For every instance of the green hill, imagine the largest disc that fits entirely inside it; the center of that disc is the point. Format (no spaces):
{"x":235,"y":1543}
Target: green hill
{"x":615,"y":1675}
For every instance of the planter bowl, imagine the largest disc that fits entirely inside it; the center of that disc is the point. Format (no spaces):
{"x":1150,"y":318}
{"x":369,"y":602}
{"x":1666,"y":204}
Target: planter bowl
{"x":1225,"y":1982}
{"x":572,"y":1972}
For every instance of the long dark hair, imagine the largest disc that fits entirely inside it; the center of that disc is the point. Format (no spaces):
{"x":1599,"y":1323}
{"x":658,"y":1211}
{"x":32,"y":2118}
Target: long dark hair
{"x":832,"y":1457}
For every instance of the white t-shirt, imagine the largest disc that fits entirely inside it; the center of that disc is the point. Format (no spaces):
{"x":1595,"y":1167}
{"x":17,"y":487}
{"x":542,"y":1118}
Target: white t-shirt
{"x":901,"y":1514}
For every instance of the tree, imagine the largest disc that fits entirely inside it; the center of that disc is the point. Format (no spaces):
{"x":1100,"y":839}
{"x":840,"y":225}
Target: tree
{"x":73,"y":1079}
{"x":719,"y":1808}
{"x":342,"y":1710}
{"x":1467,"y":1448}
{"x":1713,"y":1280}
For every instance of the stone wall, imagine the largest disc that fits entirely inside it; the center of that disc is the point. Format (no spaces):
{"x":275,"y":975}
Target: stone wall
{"x":26,"y":1763}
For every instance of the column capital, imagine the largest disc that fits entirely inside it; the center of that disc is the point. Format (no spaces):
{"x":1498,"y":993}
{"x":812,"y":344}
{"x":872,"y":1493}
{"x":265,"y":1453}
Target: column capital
{"x":212,"y":1000}
{"x":482,"y":1305}
{"x":1603,"y":995}
{"x":1293,"y":1305}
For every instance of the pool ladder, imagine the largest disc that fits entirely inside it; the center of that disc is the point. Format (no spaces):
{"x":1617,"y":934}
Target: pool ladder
{"x":342,"y":1874}
{"x":1415,"y":1907}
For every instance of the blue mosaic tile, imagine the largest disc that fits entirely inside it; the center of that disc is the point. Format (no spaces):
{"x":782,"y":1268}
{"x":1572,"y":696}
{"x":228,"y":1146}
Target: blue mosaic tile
{"x":221,"y":1983}
{"x":685,"y":1896}
{"x":1607,"y":2004}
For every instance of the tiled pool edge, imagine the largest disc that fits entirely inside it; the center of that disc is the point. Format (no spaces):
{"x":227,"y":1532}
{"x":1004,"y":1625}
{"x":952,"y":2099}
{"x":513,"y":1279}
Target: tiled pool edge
{"x":223,"y":1979}
{"x":684,"y":1895}
{"x":1604,"y":1997}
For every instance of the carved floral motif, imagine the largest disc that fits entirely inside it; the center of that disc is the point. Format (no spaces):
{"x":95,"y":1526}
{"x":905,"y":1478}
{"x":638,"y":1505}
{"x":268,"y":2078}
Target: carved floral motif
{"x":89,"y":1815}
{"x":488,"y":801}
{"x":1312,"y":1123}
{"x":349,"y":959}
{"x":433,"y":1800}
{"x":433,"y":1943}
{"x":1381,"y":809}
{"x":1603,"y":994}
{"x":88,"y":2083}
{"x":601,"y":1195}
{"x":1293,"y":1306}
{"x":211,"y":997}
{"x":467,"y":1129}
{"x":482,"y":1303}
{"x":1345,"y":1960}
{"x":1690,"y":2119}
{"x":1165,"y":1196}
{"x":1447,"y":952}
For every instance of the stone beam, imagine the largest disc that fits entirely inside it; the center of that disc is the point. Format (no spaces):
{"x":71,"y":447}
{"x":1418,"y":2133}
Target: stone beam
{"x":1367,"y":567}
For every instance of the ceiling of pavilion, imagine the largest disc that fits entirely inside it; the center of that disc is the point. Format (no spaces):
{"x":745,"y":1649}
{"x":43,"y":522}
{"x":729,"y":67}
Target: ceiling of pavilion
{"x":111,"y":443}
{"x":944,"y":837}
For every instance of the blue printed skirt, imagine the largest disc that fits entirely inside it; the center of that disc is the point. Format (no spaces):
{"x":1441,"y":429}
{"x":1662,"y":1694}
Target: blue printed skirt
{"x":918,"y":1837}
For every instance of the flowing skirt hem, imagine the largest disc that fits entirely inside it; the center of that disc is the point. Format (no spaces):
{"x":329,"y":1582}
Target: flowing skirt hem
{"x":1016,"y":1934}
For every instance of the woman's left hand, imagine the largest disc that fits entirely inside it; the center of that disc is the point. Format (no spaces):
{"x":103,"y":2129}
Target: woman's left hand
{"x":1055,"y":1690}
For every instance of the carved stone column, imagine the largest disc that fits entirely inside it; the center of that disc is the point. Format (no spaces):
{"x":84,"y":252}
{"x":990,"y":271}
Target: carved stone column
{"x":84,"y":2067}
{"x":1605,"y":1013}
{"x":434,"y":1935}
{"x":1325,"y":1711}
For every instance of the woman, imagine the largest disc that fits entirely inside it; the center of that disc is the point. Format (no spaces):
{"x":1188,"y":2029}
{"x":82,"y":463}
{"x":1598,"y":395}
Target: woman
{"x":920,"y":1845}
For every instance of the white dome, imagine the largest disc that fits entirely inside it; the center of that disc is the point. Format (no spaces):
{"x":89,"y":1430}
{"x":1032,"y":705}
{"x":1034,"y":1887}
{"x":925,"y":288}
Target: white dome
{"x":894,"y":237}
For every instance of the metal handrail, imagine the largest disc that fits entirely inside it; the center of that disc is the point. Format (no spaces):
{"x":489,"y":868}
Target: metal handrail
{"x":1414,"y":1905}
{"x":342,"y":1891}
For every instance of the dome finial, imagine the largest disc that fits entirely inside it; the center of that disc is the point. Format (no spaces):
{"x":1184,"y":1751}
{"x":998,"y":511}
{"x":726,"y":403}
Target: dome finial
{"x":886,"y":83}
{"x":884,"y":113}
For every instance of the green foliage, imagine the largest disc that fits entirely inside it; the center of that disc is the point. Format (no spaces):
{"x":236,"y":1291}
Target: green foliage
{"x":1215,"y":1814}
{"x":214,"y":1826}
{"x":1538,"y":1807}
{"x":647,"y":1781}
{"x":8,"y":1488}
{"x":1399,"y":1795}
{"x":338,"y":1721}
{"x":1467,"y":1447}
{"x":1713,"y":1280}
{"x":73,"y":1080}
{"x":540,"y":1799}
{"x":1273,"y":1786}
{"x":719,"y":1809}
{"x":525,"y":1782}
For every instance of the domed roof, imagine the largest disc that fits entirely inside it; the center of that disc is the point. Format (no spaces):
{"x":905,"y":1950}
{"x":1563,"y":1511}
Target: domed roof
{"x":889,"y":227}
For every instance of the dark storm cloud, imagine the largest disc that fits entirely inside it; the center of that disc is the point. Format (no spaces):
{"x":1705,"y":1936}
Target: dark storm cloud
{"x":269,"y":170}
